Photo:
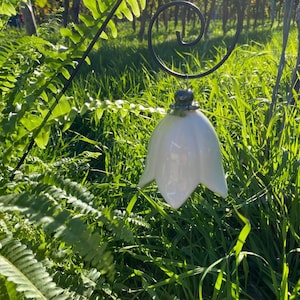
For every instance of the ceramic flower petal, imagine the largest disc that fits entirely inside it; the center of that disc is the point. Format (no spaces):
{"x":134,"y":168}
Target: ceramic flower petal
{"x":183,"y":152}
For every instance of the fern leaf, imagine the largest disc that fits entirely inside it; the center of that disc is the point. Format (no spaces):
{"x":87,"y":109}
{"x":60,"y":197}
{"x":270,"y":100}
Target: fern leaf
{"x":7,"y":8}
{"x":72,"y":188}
{"x":93,"y":7}
{"x":42,"y":208}
{"x":18,"y":265}
{"x":124,"y":10}
{"x":134,"y":4}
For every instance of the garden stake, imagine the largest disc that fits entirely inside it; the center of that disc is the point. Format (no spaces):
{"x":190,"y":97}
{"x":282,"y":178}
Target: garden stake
{"x":177,"y":152}
{"x":184,"y":148}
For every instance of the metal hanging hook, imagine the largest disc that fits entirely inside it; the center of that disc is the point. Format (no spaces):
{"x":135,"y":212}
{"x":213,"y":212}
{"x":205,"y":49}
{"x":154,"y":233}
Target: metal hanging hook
{"x":194,"y":42}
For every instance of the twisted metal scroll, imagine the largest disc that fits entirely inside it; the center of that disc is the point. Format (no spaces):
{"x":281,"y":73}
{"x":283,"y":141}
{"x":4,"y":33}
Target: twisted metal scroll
{"x":194,"y":42}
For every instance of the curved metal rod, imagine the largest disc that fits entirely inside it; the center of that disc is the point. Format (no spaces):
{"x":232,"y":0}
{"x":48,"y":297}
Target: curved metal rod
{"x":193,"y":43}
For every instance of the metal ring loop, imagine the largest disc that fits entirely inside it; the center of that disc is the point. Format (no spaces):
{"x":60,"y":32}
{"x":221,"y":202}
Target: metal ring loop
{"x":193,"y":43}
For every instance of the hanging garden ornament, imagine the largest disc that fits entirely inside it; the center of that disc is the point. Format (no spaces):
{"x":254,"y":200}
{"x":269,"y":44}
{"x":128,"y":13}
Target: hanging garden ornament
{"x":184,"y":151}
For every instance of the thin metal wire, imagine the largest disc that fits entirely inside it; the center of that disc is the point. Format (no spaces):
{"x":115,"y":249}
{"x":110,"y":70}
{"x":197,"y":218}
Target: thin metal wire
{"x":194,"y":42}
{"x":65,"y":87}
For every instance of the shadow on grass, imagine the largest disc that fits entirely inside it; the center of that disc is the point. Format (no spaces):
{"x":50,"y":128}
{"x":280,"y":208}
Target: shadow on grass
{"x":129,"y":58}
{"x":119,"y":54}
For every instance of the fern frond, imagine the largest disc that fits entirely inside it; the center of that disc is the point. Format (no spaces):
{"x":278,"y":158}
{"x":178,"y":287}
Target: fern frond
{"x":18,"y":265}
{"x":11,"y":54}
{"x":138,"y":220}
{"x":76,"y":196}
{"x":69,"y":187}
{"x":40,"y":206}
{"x":66,"y":210}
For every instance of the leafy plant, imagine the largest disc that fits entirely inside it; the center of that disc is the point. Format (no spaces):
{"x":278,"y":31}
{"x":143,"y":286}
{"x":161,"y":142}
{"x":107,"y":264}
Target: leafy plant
{"x":73,"y":213}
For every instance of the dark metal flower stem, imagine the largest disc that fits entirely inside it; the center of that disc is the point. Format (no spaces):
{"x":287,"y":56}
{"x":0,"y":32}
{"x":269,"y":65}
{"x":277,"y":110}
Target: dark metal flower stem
{"x":65,"y":87}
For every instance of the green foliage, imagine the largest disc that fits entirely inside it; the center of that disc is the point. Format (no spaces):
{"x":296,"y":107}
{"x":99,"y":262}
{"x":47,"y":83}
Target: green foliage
{"x":34,"y":72}
{"x":73,"y":223}
{"x":19,"y":266}
{"x":235,"y":248}
{"x":80,"y":231}
{"x":43,"y":204}
{"x":8,"y":8}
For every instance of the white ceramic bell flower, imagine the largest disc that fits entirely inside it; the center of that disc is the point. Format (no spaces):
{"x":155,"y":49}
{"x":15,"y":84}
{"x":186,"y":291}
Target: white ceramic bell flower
{"x":183,"y":152}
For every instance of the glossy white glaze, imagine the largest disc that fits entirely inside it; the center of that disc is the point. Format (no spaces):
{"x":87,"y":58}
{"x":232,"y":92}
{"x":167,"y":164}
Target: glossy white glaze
{"x":183,"y":152}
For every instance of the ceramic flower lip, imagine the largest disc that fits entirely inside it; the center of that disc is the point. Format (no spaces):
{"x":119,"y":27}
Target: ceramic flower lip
{"x":183,"y":152}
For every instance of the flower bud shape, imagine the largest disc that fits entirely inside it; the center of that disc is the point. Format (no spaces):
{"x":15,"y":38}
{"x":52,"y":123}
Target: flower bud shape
{"x":183,"y":152}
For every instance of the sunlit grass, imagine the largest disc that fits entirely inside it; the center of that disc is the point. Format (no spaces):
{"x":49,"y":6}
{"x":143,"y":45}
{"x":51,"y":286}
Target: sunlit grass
{"x":243,"y":247}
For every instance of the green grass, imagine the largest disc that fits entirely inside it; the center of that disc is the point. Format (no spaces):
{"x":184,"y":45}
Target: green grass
{"x":243,"y":247}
